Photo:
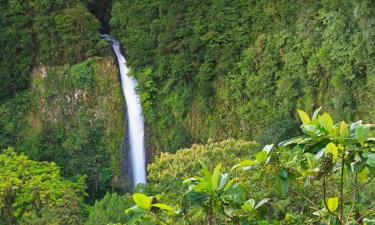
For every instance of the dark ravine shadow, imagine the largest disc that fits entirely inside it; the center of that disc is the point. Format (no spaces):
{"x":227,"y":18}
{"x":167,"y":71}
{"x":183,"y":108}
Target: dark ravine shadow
{"x":102,"y":10}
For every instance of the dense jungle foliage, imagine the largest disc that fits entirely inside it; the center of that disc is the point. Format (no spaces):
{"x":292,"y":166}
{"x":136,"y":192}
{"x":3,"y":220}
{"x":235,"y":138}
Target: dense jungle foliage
{"x":240,"y":69}
{"x":218,"y":80}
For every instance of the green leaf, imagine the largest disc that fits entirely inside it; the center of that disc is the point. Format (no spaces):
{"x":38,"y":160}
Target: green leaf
{"x":326,"y":122}
{"x":316,"y":113}
{"x":311,"y":160}
{"x":304,"y":117}
{"x":370,"y":159}
{"x":163,"y":206}
{"x":223,"y":180}
{"x":282,"y":186}
{"x":344,"y":130}
{"x":362,"y":176}
{"x":248,"y":163}
{"x":143,"y":201}
{"x":268,"y":148}
{"x":361,"y":133}
{"x":332,"y":148}
{"x":291,"y":141}
{"x":215,"y":177}
{"x":261,"y":157}
{"x":197,"y":198}
{"x":249,"y":205}
{"x":207,"y":174}
{"x":234,"y":194}
{"x":332,"y":203}
{"x":261,"y":202}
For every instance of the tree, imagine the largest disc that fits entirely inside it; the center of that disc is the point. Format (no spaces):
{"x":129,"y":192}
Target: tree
{"x":30,"y":187}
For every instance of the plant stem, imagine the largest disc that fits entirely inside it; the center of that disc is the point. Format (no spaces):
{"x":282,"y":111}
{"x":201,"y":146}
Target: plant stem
{"x":354,"y":198}
{"x":210,"y":211}
{"x":342,"y":188}
{"x":325,"y":198}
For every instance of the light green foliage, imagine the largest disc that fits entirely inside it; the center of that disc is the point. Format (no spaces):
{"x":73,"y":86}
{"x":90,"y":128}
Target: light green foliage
{"x":239,"y":69}
{"x":110,"y":208}
{"x":30,"y":187}
{"x":167,"y":170}
{"x":67,"y":211}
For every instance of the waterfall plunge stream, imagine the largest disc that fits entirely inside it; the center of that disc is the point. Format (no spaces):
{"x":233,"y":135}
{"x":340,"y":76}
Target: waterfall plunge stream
{"x":135,"y":117}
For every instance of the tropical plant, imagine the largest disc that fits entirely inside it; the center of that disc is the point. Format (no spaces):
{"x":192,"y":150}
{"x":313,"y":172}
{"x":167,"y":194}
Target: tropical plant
{"x":333,"y":161}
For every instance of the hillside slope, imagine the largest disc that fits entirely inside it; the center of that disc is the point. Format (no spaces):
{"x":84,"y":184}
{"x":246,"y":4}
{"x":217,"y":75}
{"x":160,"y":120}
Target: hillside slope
{"x":239,"y":69}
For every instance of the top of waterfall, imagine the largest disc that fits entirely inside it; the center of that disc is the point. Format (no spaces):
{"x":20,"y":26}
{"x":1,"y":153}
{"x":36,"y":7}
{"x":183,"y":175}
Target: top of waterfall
{"x":109,"y":39}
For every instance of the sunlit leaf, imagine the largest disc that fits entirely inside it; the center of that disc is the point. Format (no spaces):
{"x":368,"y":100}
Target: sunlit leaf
{"x":304,"y":117}
{"x":248,"y":163}
{"x":326,"y":122}
{"x":332,"y":203}
{"x":249,"y":205}
{"x":215,"y":177}
{"x":362,"y":176}
{"x":163,"y":206}
{"x":331,"y":148}
{"x":261,"y":157}
{"x":143,"y":201}
{"x":261,"y":202}
{"x":344,"y":130}
{"x":316,"y":113}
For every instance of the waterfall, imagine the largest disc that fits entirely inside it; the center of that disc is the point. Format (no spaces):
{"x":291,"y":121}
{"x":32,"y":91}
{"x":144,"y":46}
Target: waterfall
{"x":135,"y":117}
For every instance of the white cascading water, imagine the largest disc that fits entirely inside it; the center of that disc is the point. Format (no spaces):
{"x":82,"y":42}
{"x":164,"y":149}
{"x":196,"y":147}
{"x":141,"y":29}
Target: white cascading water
{"x":135,"y":117}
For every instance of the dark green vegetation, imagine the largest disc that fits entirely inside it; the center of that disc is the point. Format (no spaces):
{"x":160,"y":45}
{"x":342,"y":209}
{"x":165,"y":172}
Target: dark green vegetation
{"x":60,"y":99}
{"x":208,"y":71}
{"x":239,"y":69}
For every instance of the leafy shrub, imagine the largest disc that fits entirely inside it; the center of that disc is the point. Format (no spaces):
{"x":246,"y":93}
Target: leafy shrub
{"x":110,"y":208}
{"x":83,"y":75}
{"x":167,"y":170}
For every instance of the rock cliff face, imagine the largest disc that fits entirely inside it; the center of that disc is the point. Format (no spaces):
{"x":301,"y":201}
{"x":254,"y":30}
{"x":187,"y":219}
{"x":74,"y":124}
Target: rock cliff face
{"x":81,"y":110}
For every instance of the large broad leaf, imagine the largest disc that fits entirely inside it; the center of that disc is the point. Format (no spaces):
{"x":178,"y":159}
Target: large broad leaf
{"x":332,"y":203}
{"x":223,"y":180}
{"x":304,"y":117}
{"x":291,"y":141}
{"x":282,"y":186}
{"x":361,"y":133}
{"x":215,"y":177}
{"x":311,"y":130}
{"x":197,"y":198}
{"x":143,"y":201}
{"x":332,"y":148}
{"x":234,"y":194}
{"x":326,"y":122}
